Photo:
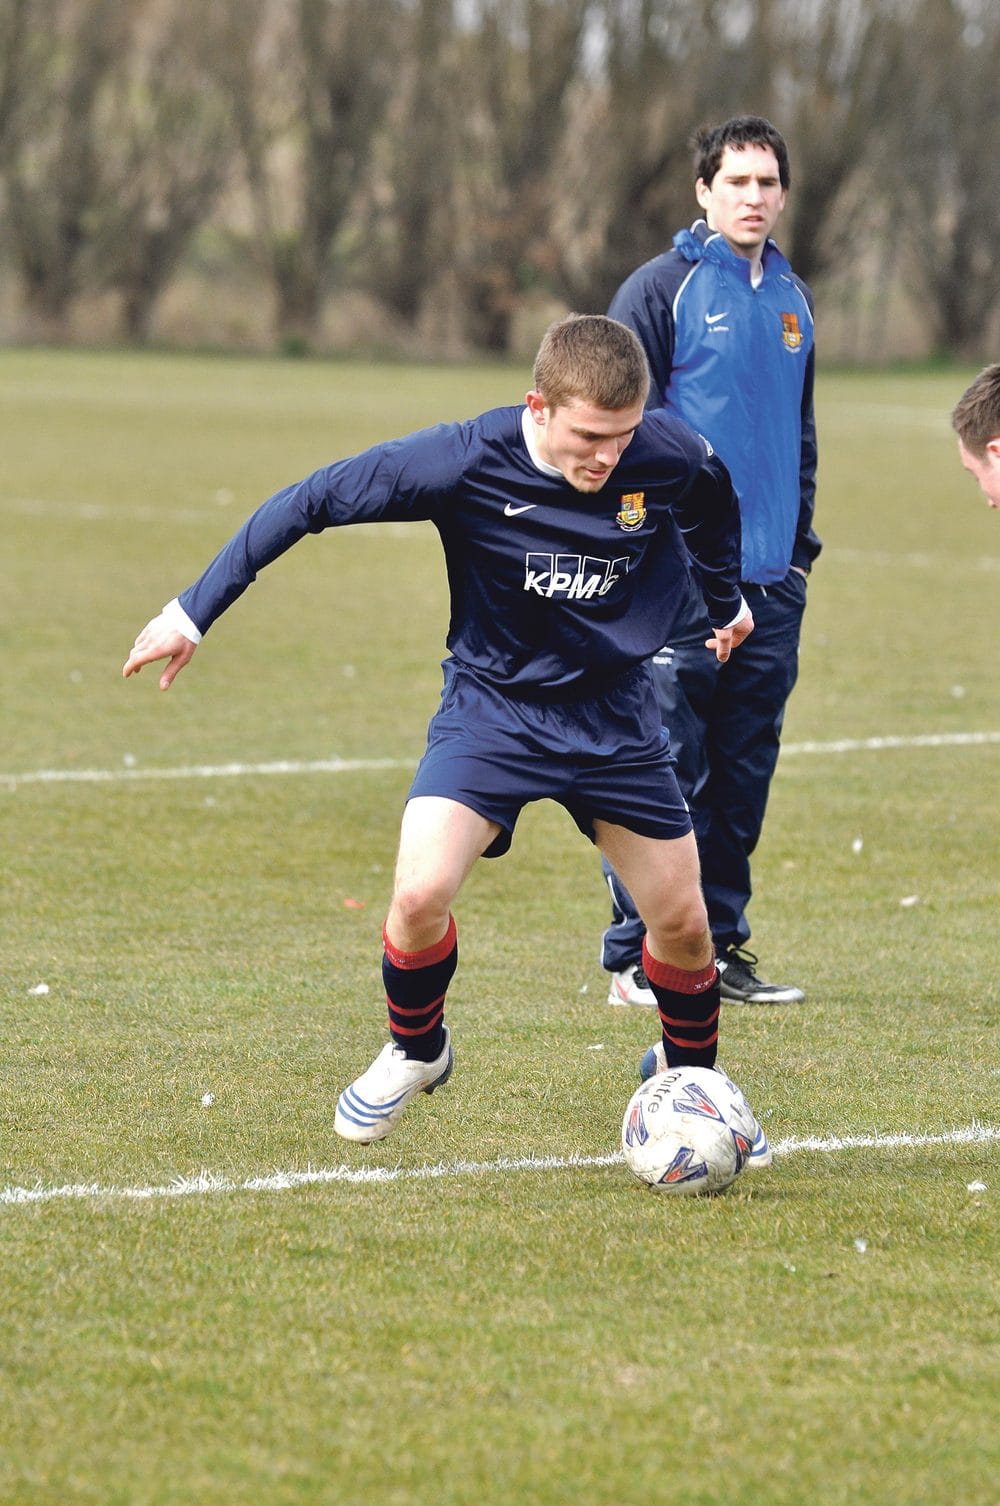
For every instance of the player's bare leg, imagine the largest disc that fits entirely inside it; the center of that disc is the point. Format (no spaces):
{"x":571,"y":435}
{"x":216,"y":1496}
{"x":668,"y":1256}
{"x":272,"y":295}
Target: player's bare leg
{"x":664,"y":879}
{"x":439,"y":842}
{"x":678,"y":957}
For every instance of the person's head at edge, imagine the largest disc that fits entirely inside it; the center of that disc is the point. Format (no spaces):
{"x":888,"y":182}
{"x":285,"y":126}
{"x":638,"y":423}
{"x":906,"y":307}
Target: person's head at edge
{"x":976,"y":420}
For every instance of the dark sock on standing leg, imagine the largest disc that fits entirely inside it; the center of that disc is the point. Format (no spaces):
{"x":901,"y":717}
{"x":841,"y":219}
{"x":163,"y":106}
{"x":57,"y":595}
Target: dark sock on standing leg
{"x":688,"y":1003}
{"x":415,"y":986}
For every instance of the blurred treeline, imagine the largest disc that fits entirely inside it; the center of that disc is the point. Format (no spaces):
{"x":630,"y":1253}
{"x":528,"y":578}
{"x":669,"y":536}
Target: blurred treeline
{"x":442,"y":176}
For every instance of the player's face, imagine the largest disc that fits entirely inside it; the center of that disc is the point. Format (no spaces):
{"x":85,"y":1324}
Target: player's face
{"x":985,"y":468}
{"x":745,"y":198}
{"x":583,"y":441}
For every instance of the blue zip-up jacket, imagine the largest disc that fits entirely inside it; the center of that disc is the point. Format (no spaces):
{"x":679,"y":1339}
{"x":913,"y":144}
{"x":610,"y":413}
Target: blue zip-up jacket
{"x":737,"y":364}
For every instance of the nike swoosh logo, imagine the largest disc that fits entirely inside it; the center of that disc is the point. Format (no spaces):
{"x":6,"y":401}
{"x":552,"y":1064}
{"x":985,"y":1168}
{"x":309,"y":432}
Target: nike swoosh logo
{"x":510,"y":511}
{"x":714,"y":318}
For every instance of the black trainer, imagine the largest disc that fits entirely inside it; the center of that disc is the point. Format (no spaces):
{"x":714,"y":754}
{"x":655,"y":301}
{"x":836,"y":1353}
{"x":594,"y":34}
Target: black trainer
{"x":739,"y":984}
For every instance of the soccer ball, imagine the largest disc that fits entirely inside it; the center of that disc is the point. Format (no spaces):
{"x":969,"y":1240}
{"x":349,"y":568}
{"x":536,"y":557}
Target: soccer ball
{"x":688,"y":1130}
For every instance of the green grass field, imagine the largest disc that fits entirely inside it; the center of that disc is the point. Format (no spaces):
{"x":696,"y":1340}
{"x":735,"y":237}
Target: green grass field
{"x":210,"y":1301}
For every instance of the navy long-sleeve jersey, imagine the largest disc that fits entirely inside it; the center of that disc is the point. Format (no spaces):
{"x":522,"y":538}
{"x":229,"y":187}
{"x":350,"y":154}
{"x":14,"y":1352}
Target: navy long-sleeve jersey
{"x":555,"y":593}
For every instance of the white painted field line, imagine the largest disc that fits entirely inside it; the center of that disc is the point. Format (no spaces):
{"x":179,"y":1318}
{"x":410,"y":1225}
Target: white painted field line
{"x":208,"y":771}
{"x":99,"y":512}
{"x":914,"y":559}
{"x":888,"y":744}
{"x":285,"y":1181}
{"x":354,"y":765}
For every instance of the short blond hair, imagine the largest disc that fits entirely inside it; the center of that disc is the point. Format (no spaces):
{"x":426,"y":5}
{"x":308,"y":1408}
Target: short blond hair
{"x":976,"y":416}
{"x":593,"y":358}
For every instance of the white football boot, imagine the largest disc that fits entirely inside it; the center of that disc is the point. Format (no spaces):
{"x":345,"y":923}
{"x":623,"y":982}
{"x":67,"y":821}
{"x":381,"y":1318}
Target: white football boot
{"x":630,"y":987}
{"x":373,"y":1105}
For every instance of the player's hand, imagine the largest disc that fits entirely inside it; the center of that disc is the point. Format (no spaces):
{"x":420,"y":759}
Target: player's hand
{"x":726,"y":639}
{"x":159,"y":641}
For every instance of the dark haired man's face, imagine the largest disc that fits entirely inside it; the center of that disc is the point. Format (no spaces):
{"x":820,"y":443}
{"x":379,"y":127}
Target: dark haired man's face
{"x":745,"y":198}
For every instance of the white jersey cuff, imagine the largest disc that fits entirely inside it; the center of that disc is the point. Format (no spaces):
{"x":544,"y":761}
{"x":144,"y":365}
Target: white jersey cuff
{"x":741,"y":613}
{"x":175,"y":617}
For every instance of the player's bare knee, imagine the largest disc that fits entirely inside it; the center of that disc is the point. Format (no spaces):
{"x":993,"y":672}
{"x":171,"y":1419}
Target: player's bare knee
{"x":681,"y":932}
{"x":417,"y":910}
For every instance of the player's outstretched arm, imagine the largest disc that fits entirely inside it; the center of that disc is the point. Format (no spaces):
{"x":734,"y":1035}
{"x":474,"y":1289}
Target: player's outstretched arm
{"x":159,"y":640}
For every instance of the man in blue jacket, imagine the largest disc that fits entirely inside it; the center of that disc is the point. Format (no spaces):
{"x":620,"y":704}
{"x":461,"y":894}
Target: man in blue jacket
{"x":728,"y":332}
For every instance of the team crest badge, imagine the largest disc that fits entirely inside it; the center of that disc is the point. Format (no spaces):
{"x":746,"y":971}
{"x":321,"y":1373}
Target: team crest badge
{"x":633,"y":511}
{"x":790,"y":332}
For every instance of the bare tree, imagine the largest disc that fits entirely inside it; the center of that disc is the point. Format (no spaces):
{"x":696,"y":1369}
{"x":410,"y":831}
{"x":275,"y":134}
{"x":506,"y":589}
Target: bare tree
{"x":946,"y":139}
{"x":169,"y":147}
{"x":627,"y":165}
{"x":488,"y":149}
{"x":51,"y":151}
{"x":14,"y":17}
{"x":837,"y":62}
{"x":410,"y":225}
{"x":308,"y":92}
{"x":520,"y":62}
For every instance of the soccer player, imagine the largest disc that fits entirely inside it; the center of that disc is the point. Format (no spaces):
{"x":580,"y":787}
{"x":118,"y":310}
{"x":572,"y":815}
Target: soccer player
{"x":728,"y":330}
{"x":976,"y":421}
{"x":566,"y":523}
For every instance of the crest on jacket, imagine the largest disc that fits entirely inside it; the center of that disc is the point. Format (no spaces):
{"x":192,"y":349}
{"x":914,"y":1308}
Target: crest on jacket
{"x":790,"y":332}
{"x":632,"y":513}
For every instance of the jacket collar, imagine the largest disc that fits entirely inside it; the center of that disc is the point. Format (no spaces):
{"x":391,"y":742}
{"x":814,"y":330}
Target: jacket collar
{"x":702,"y":244}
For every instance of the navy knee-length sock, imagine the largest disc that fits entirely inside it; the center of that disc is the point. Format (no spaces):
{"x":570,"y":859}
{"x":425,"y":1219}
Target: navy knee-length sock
{"x":688,"y":1003}
{"x":415,"y":986}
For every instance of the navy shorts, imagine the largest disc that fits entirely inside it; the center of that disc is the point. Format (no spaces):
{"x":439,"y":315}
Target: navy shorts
{"x":606,"y":758}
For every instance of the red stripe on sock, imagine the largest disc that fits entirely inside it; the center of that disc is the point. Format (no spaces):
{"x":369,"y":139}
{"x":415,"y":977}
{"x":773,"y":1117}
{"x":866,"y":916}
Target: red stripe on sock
{"x":398,"y":1009}
{"x":690,"y":1045}
{"x":679,"y":979}
{"x":436,"y":953}
{"x":689,"y":1024}
{"x":395,"y":1029}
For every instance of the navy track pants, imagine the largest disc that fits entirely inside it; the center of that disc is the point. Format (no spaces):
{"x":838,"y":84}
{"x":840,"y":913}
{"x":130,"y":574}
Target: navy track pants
{"x":724,"y":722}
